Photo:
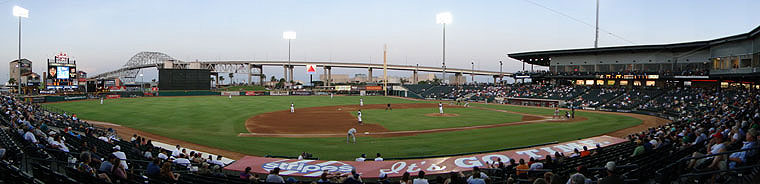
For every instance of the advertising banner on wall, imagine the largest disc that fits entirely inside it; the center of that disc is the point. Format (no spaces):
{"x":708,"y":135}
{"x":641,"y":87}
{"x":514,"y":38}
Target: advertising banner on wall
{"x":374,"y":88}
{"x":228,"y":93}
{"x":396,"y":168}
{"x":343,"y":88}
{"x":279,"y":93}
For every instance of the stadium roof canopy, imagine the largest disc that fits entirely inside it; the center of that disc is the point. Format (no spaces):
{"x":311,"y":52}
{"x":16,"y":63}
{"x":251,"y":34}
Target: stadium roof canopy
{"x":543,"y":58}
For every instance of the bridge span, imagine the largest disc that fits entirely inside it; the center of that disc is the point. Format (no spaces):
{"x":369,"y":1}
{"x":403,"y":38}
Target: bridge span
{"x":142,"y":60}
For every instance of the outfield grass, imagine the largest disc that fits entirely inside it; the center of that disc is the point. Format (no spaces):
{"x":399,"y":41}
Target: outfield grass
{"x":215,"y":121}
{"x":415,"y":119}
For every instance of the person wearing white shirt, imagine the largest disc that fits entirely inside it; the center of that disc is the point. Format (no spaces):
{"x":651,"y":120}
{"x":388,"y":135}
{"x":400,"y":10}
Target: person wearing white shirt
{"x":218,"y":161}
{"x":182,"y":161}
{"x":176,"y":152}
{"x":362,"y":158}
{"x":162,"y":156}
{"x":29,"y":136}
{"x":361,"y":102}
{"x":420,"y":178}
{"x":351,"y":134}
{"x":378,"y":158}
{"x":121,"y":156}
{"x":359,"y":115}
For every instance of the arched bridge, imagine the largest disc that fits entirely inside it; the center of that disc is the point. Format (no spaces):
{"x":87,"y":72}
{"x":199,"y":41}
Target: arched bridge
{"x":129,"y":71}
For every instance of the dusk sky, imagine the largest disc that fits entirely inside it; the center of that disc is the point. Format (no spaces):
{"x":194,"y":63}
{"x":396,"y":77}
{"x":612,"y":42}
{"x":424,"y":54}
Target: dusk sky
{"x":103,"y":35}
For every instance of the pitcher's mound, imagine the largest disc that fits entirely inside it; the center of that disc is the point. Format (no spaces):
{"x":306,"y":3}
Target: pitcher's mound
{"x":442,"y":115}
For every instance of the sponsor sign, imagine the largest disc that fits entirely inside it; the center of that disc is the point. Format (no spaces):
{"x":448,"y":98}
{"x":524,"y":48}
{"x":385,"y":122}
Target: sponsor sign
{"x":117,"y":88}
{"x":147,"y":94}
{"x":228,"y":93}
{"x":74,"y":98}
{"x":311,"y":69}
{"x":374,"y":88}
{"x":113,"y":96}
{"x":279,"y":93}
{"x":302,"y":93}
{"x":398,"y":88}
{"x":254,"y":93}
{"x":691,"y":77}
{"x":442,"y":165}
{"x":343,"y":88}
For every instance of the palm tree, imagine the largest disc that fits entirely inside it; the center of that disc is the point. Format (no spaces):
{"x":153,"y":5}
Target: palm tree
{"x":11,"y":81}
{"x":231,"y":76}
{"x":221,"y":79}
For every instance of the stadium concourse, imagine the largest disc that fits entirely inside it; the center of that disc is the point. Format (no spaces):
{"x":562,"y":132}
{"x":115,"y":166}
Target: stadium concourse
{"x":712,"y":137}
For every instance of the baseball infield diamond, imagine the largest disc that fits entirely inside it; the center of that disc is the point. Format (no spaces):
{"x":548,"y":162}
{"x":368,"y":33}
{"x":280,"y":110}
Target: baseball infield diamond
{"x":214,"y":122}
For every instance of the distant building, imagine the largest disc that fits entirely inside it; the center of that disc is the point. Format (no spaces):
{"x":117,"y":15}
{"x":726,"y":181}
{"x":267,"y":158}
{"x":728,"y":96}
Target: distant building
{"x":26,"y":67}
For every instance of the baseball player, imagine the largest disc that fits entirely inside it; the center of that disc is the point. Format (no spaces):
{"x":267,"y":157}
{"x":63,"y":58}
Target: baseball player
{"x":351,"y":135}
{"x":230,"y":96}
{"x":361,"y":102}
{"x":331,"y":96}
{"x":101,"y":100}
{"x":440,"y":107}
{"x":389,"y":107}
{"x":359,"y":115}
{"x":292,"y":107}
{"x":556,"y":112}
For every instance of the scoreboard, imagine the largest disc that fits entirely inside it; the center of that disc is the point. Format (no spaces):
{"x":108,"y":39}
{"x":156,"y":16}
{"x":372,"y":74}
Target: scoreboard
{"x":61,"y":73}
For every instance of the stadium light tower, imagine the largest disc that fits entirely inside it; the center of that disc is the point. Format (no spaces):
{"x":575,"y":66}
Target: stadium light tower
{"x":472,"y":74}
{"x":501,"y":75}
{"x":443,"y":18}
{"x":289,"y":35}
{"x":19,"y":12}
{"x":142,"y":83}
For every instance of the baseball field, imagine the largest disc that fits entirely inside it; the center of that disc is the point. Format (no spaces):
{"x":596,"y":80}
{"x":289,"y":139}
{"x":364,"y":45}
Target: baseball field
{"x":263,"y":125}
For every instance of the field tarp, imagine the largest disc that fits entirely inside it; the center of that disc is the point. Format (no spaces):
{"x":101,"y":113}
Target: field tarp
{"x":396,"y":168}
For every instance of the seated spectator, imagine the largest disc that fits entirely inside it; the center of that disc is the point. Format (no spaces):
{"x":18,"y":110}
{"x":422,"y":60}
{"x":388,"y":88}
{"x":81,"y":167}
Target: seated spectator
{"x":612,"y":177}
{"x":382,"y":179}
{"x":182,"y":160}
{"x":121,"y":156}
{"x":378,"y":157}
{"x":639,"y":149}
{"x":420,"y":178}
{"x":585,"y":152}
{"x":274,"y":176}
{"x":523,"y":168}
{"x":119,"y":173}
{"x":218,"y":161}
{"x":406,"y":178}
{"x":107,"y":165}
{"x":162,"y":155}
{"x":353,"y":178}
{"x":84,"y":167}
{"x":153,"y":169}
{"x":166,"y":172}
{"x":247,"y":175}
{"x":716,"y":145}
{"x":738,"y":158}
{"x":475,"y":178}
{"x":361,"y":158}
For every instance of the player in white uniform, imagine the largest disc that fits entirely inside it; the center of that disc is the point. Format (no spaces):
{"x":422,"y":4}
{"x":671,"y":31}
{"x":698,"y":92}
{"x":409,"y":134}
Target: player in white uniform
{"x":351,"y":134}
{"x":230,"y":96}
{"x":556,"y":112}
{"x":440,"y":107}
{"x":292,"y":107}
{"x":361,"y":102}
{"x":331,"y":95}
{"x":101,"y":100}
{"x":359,"y":115}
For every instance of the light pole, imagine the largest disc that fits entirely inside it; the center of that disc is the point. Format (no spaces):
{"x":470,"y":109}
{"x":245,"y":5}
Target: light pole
{"x":443,"y":18}
{"x":19,"y":12}
{"x":472,"y":74}
{"x":501,"y":75}
{"x":289,"y":35}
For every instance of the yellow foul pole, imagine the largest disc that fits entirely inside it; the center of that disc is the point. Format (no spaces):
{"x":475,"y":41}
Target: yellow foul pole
{"x":385,"y":69}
